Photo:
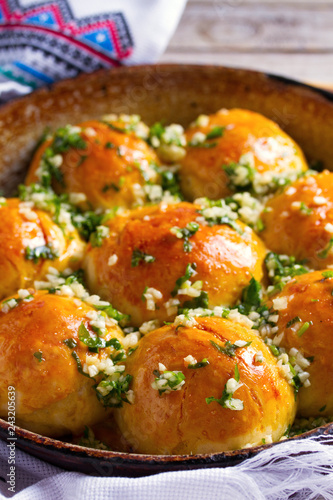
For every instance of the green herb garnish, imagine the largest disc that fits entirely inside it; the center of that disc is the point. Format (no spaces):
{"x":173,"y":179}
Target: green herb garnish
{"x":140,"y":256}
{"x":71,"y":343}
{"x":199,"y":364}
{"x":41,"y":252}
{"x":303,"y":328}
{"x":185,"y":233}
{"x":327,"y":274}
{"x":229,"y":349}
{"x":190,"y":270}
{"x":322,"y":254}
{"x":296,"y":319}
{"x":39,"y":355}
{"x":215,"y":132}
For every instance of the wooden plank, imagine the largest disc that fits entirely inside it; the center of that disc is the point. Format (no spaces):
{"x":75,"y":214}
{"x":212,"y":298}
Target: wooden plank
{"x":304,"y":67}
{"x":236,"y":3}
{"x":234,"y":25}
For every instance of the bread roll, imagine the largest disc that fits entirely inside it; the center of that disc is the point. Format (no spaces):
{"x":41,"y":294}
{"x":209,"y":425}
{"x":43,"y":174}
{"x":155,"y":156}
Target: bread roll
{"x":104,"y":161}
{"x":305,"y":324}
{"x":252,"y":148}
{"x":30,"y":242}
{"x":136,"y":267}
{"x":53,"y":397}
{"x":299,"y":221}
{"x":187,"y":419}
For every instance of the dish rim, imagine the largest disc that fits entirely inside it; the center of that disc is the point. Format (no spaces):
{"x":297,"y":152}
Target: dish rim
{"x":137,"y":459}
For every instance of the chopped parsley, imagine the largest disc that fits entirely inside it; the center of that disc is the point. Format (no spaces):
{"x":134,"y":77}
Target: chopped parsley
{"x":304,"y":209}
{"x":240,"y":176}
{"x":156,"y":130}
{"x":115,"y":187}
{"x":170,"y":182}
{"x":167,"y":381}
{"x":215,"y":132}
{"x":39,"y":356}
{"x":96,"y":238}
{"x":41,"y":252}
{"x":199,"y":140}
{"x":303,"y":328}
{"x":222,"y":214}
{"x":114,"y":127}
{"x":113,"y":393}
{"x":296,"y":319}
{"x":251,"y":297}
{"x":71,"y":343}
{"x":322,"y":254}
{"x":281,"y":269}
{"x":229,"y":349}
{"x":197,"y":302}
{"x":199,"y":364}
{"x":87,"y":223}
{"x":274,"y":350}
{"x":95,"y":342}
{"x":50,"y":170}
{"x":140,"y":256}
{"x":79,"y":364}
{"x":113,"y":313}
{"x":327,"y":274}
{"x":226,"y":400}
{"x":190,"y":271}
{"x":64,"y":139}
{"x":185,"y":233}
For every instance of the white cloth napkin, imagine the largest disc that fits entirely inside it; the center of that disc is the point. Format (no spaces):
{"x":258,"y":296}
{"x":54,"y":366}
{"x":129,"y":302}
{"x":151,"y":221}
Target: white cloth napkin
{"x":301,"y":470}
{"x":47,"y":40}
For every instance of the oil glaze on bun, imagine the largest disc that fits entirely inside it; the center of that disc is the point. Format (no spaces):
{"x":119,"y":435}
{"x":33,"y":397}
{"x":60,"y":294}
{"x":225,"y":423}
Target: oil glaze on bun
{"x":52,"y":397}
{"x":299,"y":221}
{"x":184,"y":421}
{"x":305,"y":326}
{"x":106,"y":163}
{"x":137,"y":265}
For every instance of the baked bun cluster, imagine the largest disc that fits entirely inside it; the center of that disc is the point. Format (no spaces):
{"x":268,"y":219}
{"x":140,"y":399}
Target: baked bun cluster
{"x":168,"y":289}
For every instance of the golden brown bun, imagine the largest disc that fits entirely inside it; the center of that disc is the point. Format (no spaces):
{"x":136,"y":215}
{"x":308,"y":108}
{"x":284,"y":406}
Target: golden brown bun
{"x":310,"y":298}
{"x":225,"y":260}
{"x":182,"y":422}
{"x":18,"y":232}
{"x":52,"y":397}
{"x":296,"y":221}
{"x":106,"y":174}
{"x":246,"y":132}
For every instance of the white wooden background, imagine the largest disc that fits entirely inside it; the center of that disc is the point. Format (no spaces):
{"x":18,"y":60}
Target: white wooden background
{"x":288,"y":37}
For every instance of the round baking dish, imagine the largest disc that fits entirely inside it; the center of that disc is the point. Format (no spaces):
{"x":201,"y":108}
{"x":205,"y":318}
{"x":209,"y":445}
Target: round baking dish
{"x":172,"y":93}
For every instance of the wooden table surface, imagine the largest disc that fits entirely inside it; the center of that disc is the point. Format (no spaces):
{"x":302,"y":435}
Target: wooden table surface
{"x":292,"y":38}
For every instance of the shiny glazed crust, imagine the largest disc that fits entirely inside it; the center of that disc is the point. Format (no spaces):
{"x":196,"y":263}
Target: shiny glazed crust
{"x":244,"y":133}
{"x":20,"y":229}
{"x":225,"y":260}
{"x":309,"y":297}
{"x":297,"y":219}
{"x":182,"y":422}
{"x":52,"y":397}
{"x":107,"y":169}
